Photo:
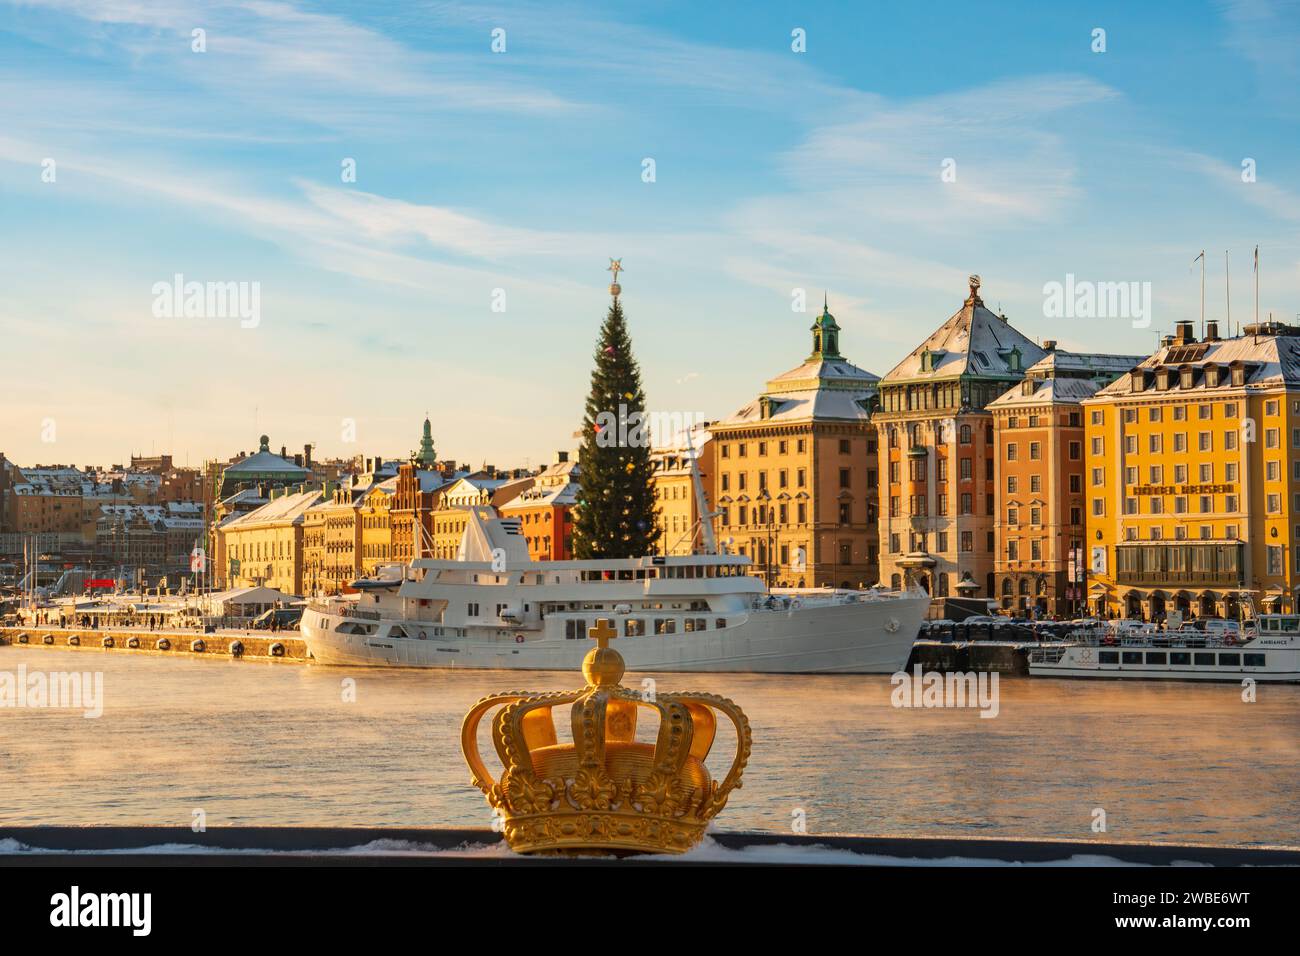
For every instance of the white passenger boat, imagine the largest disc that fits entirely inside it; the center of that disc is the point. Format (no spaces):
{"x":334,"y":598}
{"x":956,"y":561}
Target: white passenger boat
{"x":495,"y":608}
{"x":1270,"y":652}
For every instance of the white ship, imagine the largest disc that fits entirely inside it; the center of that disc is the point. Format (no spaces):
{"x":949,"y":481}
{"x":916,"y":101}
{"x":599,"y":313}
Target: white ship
{"x":1269,"y":653}
{"x":498,"y":609}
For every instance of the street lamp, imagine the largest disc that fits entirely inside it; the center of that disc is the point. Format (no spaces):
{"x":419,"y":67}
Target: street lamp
{"x":766,"y":498}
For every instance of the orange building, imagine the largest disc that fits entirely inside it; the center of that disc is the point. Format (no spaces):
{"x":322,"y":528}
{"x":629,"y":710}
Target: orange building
{"x":937,"y":456}
{"x":1040,"y":469}
{"x":545,"y":511}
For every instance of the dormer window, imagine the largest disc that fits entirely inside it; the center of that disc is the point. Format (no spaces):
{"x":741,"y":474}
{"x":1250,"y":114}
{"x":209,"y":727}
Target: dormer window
{"x":1211,"y":376}
{"x":1238,"y":375}
{"x":1186,"y":377}
{"x":1013,"y":360}
{"x":1162,"y":379}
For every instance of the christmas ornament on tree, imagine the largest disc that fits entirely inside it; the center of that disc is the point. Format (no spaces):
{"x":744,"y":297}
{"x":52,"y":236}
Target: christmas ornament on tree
{"x":615,"y":453}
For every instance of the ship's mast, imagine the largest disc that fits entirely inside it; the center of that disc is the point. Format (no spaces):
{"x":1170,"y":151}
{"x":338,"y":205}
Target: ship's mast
{"x":701,"y":501}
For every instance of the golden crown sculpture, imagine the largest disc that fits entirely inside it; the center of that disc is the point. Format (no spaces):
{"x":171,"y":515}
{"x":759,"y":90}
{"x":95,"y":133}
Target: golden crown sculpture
{"x":606,"y":792}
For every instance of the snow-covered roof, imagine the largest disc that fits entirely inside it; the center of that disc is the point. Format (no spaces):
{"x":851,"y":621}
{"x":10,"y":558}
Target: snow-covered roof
{"x":1267,"y":360}
{"x":972,"y":342}
{"x":287,"y":509}
{"x":806,"y":405}
{"x":1035,"y":393}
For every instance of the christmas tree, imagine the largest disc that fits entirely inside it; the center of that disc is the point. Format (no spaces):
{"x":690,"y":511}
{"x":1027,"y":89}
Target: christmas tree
{"x":616,"y":514}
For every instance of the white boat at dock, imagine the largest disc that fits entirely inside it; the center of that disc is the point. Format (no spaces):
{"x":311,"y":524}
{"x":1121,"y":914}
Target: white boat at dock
{"x":1269,"y":651}
{"x":498,"y":609}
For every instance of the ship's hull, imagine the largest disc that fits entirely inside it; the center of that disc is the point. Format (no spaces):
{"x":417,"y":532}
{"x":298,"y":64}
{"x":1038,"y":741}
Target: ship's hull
{"x":867,"y":637}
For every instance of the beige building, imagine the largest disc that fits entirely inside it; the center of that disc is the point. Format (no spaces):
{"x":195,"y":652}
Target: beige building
{"x":794,"y":472}
{"x":937,"y":455}
{"x":265,"y":547}
{"x":679,"y":512}
{"x":453,"y":502}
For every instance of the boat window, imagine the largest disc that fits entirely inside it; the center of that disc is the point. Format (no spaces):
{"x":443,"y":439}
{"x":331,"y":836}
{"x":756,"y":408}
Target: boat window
{"x":720,"y":622}
{"x":1156,"y":657}
{"x":665,"y":625}
{"x":1204,"y":659}
{"x":1254,"y":660}
{"x":397,"y":631}
{"x":1181,"y":658}
{"x":1132,"y":657}
{"x":633,"y":627}
{"x":575,"y":630}
{"x":1230,"y":660}
{"x":1108,"y":657}
{"x":1290,"y":624}
{"x":625,"y":575}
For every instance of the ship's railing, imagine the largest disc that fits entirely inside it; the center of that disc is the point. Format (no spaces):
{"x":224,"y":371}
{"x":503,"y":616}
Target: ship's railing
{"x":1046,"y":655}
{"x":342,"y":610}
{"x":1104,"y":637}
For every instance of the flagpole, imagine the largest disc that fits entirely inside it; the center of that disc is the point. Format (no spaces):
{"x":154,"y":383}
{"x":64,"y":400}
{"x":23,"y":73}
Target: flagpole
{"x":1227,"y":291}
{"x":1257,"y":285}
{"x":1202,"y":258}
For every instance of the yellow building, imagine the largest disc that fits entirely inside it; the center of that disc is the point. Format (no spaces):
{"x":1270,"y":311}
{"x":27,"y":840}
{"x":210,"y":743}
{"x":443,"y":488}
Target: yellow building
{"x":376,"y":527}
{"x":674,"y":489}
{"x":794,"y":473}
{"x":331,"y":544}
{"x":1191,"y":487}
{"x":265,"y":546}
{"x":454,"y":501}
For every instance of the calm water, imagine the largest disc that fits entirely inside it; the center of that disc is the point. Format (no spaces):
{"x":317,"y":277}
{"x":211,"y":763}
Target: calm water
{"x":275,"y":744}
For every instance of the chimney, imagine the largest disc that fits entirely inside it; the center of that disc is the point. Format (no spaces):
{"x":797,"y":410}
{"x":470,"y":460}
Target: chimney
{"x":1183,"y":334}
{"x":284,"y":451}
{"x":1049,"y":345}
{"x":1167,"y":341}
{"x":1211,"y":331}
{"x":297,"y":460}
{"x":561,"y":457}
{"x":306,"y":456}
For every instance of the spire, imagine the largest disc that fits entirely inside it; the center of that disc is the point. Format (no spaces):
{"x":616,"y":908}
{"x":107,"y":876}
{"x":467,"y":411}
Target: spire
{"x":426,"y":456}
{"x":826,"y":335}
{"x":974,"y":291}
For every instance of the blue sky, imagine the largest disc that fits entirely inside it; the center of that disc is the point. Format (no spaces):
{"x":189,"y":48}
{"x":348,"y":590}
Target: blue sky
{"x":522,"y":171}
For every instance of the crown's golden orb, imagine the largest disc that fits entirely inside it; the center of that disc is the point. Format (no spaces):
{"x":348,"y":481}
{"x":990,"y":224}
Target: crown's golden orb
{"x":603,"y":666}
{"x":606,"y":791}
